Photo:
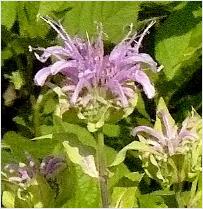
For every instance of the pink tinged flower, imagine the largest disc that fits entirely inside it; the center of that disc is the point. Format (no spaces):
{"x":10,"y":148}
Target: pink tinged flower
{"x":42,"y":76}
{"x":143,"y":79}
{"x":57,"y":51}
{"x":85,"y":67}
{"x":169,"y":139}
{"x":20,"y":174}
{"x":51,"y":165}
{"x":151,"y":132}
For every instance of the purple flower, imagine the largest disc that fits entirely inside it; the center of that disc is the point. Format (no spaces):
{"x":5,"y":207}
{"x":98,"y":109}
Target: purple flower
{"x":169,"y":140}
{"x":51,"y":165}
{"x":21,"y":173}
{"x":85,"y":67}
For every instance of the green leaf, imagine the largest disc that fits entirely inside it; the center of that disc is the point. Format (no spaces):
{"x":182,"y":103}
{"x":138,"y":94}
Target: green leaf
{"x":177,"y":39}
{"x":27,"y":17}
{"x":132,"y":146}
{"x":6,"y":54}
{"x":81,"y":155}
{"x":168,"y":197}
{"x":19,"y":145}
{"x":14,"y":47}
{"x":125,"y":192}
{"x":82,"y":133}
{"x":163,"y":193}
{"x":46,"y":130}
{"x":71,"y":116}
{"x":47,"y":8}
{"x":42,"y":195}
{"x":8,"y":199}
{"x":62,"y":100}
{"x":123,"y":197}
{"x":16,"y":78}
{"x":83,"y":15}
{"x":65,"y":181}
{"x":23,"y":202}
{"x":8,"y":14}
{"x":49,"y":105}
{"x":151,"y":201}
{"x":20,"y":120}
{"x":86,"y":192}
{"x":116,"y":173}
{"x":140,"y":106}
{"x":48,"y":136}
{"x":6,"y":156}
{"x":111,"y":130}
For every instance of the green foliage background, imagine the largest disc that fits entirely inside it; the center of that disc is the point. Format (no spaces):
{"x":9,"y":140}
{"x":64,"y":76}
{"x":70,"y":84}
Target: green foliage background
{"x":175,"y":42}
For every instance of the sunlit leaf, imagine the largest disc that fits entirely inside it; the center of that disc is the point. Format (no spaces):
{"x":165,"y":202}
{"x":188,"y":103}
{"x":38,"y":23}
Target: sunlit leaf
{"x":86,"y":192}
{"x":132,"y":146}
{"x":79,"y":19}
{"x":8,"y":14}
{"x":19,"y":145}
{"x":82,"y":133}
{"x":123,"y":197}
{"x":8,"y":199}
{"x":16,"y":78}
{"x":82,"y":156}
{"x":27,"y":17}
{"x":126,"y":191}
{"x":111,"y":130}
{"x":47,"y":8}
{"x":151,"y":201}
{"x":175,"y":39}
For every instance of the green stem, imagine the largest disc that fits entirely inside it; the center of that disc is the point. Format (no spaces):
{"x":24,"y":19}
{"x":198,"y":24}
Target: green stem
{"x":178,"y":189}
{"x":101,"y":162}
{"x":36,"y":115}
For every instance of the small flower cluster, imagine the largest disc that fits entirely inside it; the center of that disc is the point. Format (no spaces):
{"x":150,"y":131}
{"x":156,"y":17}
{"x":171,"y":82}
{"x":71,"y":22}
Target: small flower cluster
{"x":93,"y":80}
{"x":24,"y":174}
{"x":51,"y":165}
{"x":178,"y":150}
{"x":171,"y":140}
{"x":21,"y":174}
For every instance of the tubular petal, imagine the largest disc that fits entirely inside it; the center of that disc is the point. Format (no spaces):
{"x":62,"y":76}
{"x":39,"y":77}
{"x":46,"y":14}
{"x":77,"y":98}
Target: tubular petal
{"x":62,"y":65}
{"x":143,"y":58}
{"x":56,"y":51}
{"x":117,"y":88}
{"x":170,"y":131}
{"x":150,"y":131}
{"x":143,"y":79}
{"x":42,"y":75}
{"x":81,"y":84}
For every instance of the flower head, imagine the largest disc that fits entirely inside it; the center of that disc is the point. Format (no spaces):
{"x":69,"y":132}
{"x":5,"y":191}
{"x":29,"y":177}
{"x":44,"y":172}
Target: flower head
{"x":92,"y":79}
{"x":21,"y":174}
{"x":169,"y":140}
{"x":51,"y":165}
{"x":25,"y":174}
{"x":170,"y":145}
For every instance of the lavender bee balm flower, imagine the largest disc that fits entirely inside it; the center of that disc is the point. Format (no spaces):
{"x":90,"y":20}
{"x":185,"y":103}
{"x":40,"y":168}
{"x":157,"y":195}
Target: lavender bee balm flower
{"x":93,"y":81}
